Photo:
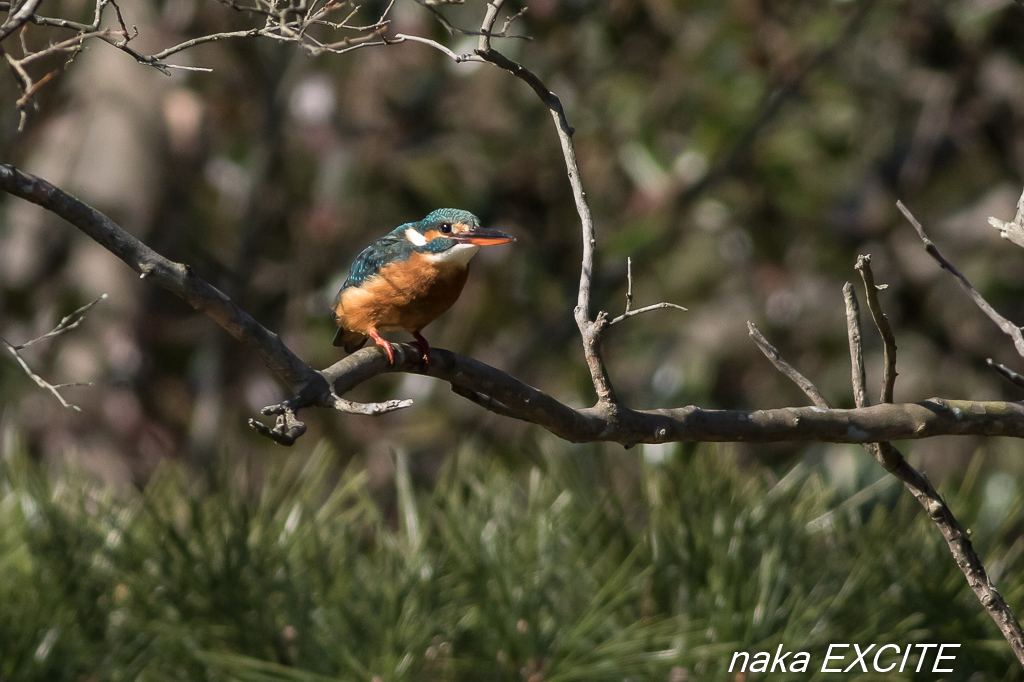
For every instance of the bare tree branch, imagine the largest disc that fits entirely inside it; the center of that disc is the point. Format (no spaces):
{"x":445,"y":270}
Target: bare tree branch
{"x":457,"y":58}
{"x":856,"y":349}
{"x":1014,"y":231}
{"x":1011,"y":376}
{"x":18,"y":18}
{"x":1009,"y":328}
{"x":882,"y":323}
{"x":921,"y":488}
{"x":629,"y":299}
{"x":285,"y":22}
{"x":628,"y":427}
{"x":591,"y":327}
{"x":42,"y":383}
{"x":68,"y":323}
{"x":795,"y":376}
{"x":175,"y":277}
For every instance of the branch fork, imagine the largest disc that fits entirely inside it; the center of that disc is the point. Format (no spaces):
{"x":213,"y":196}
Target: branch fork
{"x":886,"y":454}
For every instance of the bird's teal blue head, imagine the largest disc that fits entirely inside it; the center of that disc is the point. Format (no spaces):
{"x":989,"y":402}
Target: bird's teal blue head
{"x":447,"y":227}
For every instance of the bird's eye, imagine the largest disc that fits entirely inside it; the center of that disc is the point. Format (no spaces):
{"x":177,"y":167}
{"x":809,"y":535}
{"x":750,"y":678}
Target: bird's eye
{"x":446,"y":228}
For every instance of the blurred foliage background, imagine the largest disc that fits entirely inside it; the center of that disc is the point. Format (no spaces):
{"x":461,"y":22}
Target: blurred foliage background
{"x":742,"y":154}
{"x":280,"y":570}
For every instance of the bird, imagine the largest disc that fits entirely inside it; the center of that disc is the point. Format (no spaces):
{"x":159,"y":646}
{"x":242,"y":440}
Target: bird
{"x":406,"y":279}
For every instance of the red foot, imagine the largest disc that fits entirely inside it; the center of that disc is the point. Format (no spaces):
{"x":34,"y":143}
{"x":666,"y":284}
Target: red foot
{"x":424,"y":347}
{"x":383,"y":343}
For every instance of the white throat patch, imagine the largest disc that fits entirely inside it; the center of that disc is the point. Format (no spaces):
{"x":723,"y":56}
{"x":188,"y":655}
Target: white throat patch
{"x":415,"y":237}
{"x":460,"y":254}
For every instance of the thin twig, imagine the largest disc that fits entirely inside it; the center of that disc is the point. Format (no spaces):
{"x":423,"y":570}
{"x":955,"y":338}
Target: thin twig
{"x":654,"y":306}
{"x":863,"y":266}
{"x":1011,"y":376}
{"x":770,"y":352}
{"x":68,"y":323}
{"x":591,"y":328}
{"x":457,"y":58}
{"x":1014,"y":231}
{"x":889,"y":457}
{"x":629,"y":299}
{"x":920,"y":487}
{"x":629,"y":283}
{"x":856,"y":349}
{"x":64,"y":326}
{"x":286,"y":24}
{"x":1008,"y":328}
{"x":42,"y":383}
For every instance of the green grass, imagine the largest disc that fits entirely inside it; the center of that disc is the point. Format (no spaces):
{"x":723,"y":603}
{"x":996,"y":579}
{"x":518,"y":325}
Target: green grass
{"x":298,"y":574}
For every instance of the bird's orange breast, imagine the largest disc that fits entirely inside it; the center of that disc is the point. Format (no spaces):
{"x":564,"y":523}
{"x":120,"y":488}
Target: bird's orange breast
{"x":402,"y":296}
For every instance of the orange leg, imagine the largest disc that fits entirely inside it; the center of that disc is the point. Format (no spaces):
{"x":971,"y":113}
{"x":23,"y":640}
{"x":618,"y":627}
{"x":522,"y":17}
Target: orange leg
{"x":424,"y":346}
{"x":383,"y":343}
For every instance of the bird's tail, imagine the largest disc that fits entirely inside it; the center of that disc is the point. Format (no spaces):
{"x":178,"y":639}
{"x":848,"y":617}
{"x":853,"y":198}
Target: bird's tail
{"x":351,"y":341}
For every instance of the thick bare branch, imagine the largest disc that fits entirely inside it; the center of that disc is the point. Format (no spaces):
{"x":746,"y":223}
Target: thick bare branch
{"x":19,"y":17}
{"x":628,"y":427}
{"x":175,"y":277}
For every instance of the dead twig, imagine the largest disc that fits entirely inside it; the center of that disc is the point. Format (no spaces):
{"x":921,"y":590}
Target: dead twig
{"x":68,"y":323}
{"x":629,"y":312}
{"x":863,"y":266}
{"x":773,"y":355}
{"x":1014,"y":231}
{"x":856,"y":348}
{"x":18,"y":18}
{"x":920,"y":487}
{"x":290,"y":22}
{"x":1008,"y":328}
{"x":1011,"y":376}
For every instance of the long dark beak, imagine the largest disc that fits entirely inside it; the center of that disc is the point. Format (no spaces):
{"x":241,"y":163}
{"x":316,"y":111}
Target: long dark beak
{"x":483,"y":236}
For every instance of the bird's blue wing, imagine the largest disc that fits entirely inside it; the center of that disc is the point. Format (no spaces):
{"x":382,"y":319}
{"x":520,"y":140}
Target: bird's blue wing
{"x":390,"y":248}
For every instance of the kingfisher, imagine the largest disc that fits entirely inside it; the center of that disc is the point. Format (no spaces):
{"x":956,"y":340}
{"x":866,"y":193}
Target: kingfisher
{"x":406,"y":279}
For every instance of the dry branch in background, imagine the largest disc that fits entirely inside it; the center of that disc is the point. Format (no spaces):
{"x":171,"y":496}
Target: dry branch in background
{"x":1008,"y":328}
{"x":68,"y":323}
{"x":307,"y":25}
{"x":892,"y":460}
{"x":1014,"y":231}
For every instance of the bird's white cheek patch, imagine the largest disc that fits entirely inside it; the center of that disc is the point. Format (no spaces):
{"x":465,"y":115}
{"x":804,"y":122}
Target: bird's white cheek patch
{"x":415,"y":237}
